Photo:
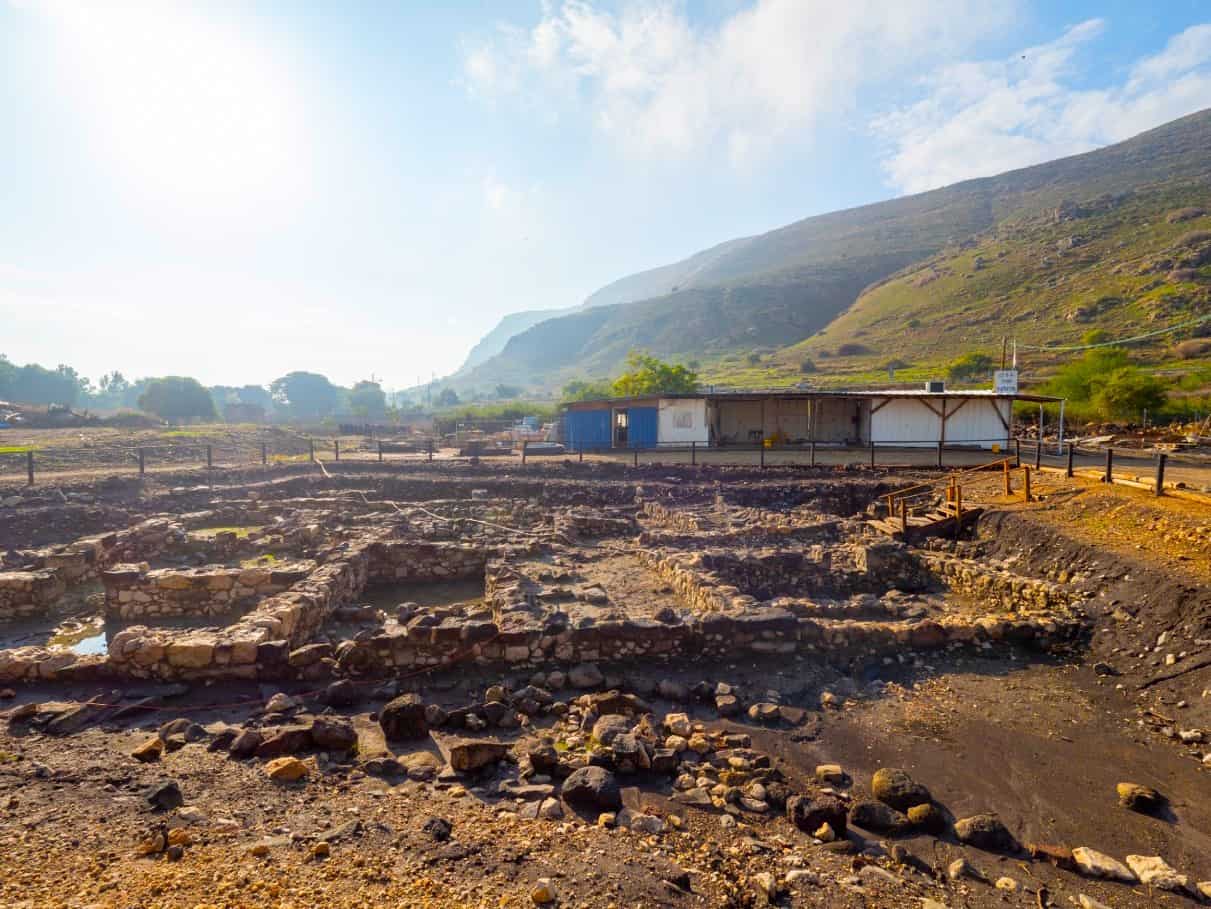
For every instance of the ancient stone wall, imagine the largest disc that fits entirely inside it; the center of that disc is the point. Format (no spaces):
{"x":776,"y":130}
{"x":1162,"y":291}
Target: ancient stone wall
{"x":134,"y":592}
{"x":24,"y":594}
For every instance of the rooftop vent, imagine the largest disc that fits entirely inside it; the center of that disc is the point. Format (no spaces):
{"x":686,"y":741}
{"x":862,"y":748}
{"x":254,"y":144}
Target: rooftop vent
{"x":935,"y":386}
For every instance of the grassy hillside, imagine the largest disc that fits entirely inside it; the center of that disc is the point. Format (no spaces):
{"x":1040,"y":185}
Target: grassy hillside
{"x":1044,"y":254}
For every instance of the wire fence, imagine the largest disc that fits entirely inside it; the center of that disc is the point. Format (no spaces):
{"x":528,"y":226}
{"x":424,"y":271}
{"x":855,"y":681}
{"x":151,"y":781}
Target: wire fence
{"x":33,"y":462}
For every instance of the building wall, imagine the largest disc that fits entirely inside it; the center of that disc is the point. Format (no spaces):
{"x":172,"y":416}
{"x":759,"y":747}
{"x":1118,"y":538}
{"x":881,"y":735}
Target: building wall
{"x":642,"y":427}
{"x":910,"y":423}
{"x":835,"y":420}
{"x":682,"y":421}
{"x":587,"y":429}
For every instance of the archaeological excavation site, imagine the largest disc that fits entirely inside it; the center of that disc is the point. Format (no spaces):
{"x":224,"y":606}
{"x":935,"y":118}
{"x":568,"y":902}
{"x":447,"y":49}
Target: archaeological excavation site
{"x":601,"y":685}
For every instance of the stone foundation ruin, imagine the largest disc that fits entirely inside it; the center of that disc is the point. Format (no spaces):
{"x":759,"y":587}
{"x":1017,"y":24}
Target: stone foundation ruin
{"x":271,"y":580}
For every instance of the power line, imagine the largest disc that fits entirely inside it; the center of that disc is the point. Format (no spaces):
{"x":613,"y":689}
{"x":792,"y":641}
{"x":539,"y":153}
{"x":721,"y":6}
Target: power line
{"x":1121,"y":341}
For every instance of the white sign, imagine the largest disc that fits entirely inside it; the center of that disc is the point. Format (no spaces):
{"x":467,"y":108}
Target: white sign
{"x":1005,"y":381}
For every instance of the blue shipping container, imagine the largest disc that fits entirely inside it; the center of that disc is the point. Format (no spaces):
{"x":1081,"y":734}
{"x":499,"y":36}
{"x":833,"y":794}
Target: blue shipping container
{"x":642,"y":427}
{"x":587,"y":429}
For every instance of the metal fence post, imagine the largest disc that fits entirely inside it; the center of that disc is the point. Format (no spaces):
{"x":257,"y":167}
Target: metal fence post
{"x":1109,"y":475}
{"x":524,"y":444}
{"x":1008,"y":482}
{"x":872,"y":452}
{"x":336,"y":447}
{"x":142,"y":462}
{"x":311,"y":449}
{"x":762,"y":456}
{"x":1069,"y":459}
{"x":1160,"y":473}
{"x":693,"y":453}
{"x":813,"y":446}
{"x":430,"y":449}
{"x":1038,"y":453}
{"x":209,"y":457}
{"x":380,"y":451}
{"x":636,"y":455}
{"x":1017,"y":452}
{"x":939,"y":454}
{"x":29,"y":465}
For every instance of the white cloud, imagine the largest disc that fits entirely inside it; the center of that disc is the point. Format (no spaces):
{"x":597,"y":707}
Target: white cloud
{"x":660,"y":84}
{"x":982,"y":118}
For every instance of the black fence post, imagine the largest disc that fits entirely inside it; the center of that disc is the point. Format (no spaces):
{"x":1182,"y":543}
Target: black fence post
{"x":29,"y":465}
{"x":264,"y":454}
{"x":1109,"y":476}
{"x":311,"y":450}
{"x":1160,"y":473}
{"x":813,"y":460}
{"x":939,"y":455}
{"x":142,"y":462}
{"x":580,"y":454}
{"x":524,"y":444}
{"x":1069,"y":459}
{"x":430,"y":449}
{"x":872,"y":452}
{"x":380,"y":451}
{"x":693,"y":453}
{"x":336,"y":447}
{"x":1038,"y":454}
{"x":762,"y":449}
{"x":209,"y":457}
{"x":636,"y":456}
{"x":1017,"y":452}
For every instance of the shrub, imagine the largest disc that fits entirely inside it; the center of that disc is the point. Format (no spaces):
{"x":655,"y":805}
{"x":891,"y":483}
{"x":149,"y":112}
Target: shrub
{"x":1127,"y":392}
{"x":1184,"y":214}
{"x":754,"y":358}
{"x":969,"y":367}
{"x":1193,"y":238}
{"x":851,"y":349}
{"x":807,"y":365}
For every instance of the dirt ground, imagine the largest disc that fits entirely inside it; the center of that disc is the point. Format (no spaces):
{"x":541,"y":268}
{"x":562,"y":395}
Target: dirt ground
{"x":1040,"y":740}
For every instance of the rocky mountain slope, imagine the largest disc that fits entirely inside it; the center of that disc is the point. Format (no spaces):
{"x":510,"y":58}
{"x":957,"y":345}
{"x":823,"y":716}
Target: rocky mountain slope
{"x":1044,"y":252}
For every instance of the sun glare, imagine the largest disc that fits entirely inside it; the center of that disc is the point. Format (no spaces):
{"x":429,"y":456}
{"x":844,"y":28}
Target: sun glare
{"x":194,"y":113}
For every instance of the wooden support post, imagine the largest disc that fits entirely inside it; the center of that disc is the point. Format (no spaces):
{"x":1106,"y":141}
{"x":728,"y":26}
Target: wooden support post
{"x":311,"y":449}
{"x":1160,"y":473}
{"x":524,"y":444}
{"x":336,"y":447}
{"x":580,"y":452}
{"x":264,"y":454}
{"x":904,"y":515}
{"x":1038,"y":454}
{"x":29,"y":466}
{"x":693,"y":453}
{"x":142,"y":462}
{"x":811,"y":428}
{"x":1026,"y":480}
{"x":1109,"y":475}
{"x":958,"y":510}
{"x":209,"y":457}
{"x":380,"y":451}
{"x":1069,"y":470}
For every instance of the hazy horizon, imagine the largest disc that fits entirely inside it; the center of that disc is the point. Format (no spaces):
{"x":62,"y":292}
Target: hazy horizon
{"x":234,"y":191}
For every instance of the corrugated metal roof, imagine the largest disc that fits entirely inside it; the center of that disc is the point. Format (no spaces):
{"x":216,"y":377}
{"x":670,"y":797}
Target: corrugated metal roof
{"x":795,"y":394}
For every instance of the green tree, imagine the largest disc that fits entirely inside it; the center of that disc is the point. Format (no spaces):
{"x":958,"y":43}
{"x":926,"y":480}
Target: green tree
{"x":177,"y":398}
{"x":447,"y":397}
{"x":366,"y":399}
{"x":1126,"y":393}
{"x":1076,"y":379}
{"x":969,"y":367}
{"x":507,"y":392}
{"x":582,"y":390}
{"x":305,"y":395}
{"x":646,"y":375}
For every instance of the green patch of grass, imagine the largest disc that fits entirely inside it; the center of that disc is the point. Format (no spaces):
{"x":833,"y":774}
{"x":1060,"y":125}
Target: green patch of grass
{"x":186,"y":433}
{"x":16,"y":449}
{"x":261,"y":561}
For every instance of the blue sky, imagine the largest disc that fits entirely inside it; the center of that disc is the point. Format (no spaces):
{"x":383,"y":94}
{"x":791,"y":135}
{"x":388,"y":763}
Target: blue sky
{"x":235,"y":190}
